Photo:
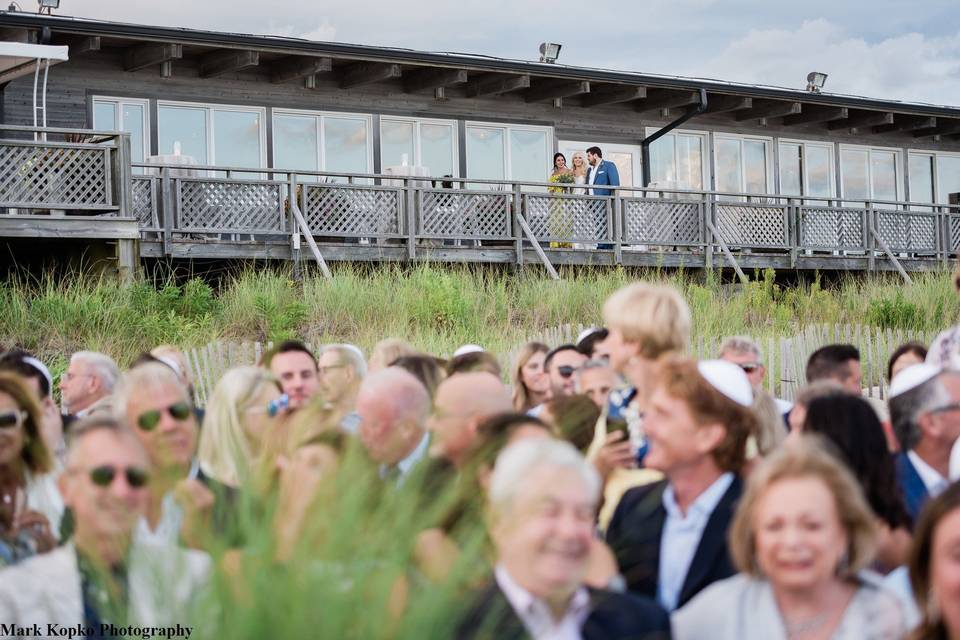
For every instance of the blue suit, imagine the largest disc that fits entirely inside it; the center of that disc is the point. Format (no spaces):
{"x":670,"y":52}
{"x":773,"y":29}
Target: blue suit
{"x":607,"y":174}
{"x":915,"y":493}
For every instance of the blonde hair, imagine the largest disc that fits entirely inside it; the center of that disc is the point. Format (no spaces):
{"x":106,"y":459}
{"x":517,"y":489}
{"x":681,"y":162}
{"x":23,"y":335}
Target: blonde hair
{"x":224,"y":452}
{"x":808,"y":457}
{"x":654,"y":317}
{"x":582,"y":171}
{"x":521,"y":395}
{"x":386,"y":351}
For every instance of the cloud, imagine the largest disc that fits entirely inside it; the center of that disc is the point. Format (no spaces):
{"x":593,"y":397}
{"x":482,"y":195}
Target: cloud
{"x":913,"y":67}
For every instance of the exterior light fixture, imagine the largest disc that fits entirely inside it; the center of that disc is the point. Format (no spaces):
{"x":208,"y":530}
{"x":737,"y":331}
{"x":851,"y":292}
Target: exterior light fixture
{"x":549,"y":52}
{"x":47,"y":6}
{"x":815,"y":81}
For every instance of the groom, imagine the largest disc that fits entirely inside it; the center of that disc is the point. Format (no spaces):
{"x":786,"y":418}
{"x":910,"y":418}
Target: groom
{"x":602,"y":172}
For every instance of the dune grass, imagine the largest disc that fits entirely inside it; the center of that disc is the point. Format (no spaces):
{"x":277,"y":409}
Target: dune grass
{"x":435,"y":308}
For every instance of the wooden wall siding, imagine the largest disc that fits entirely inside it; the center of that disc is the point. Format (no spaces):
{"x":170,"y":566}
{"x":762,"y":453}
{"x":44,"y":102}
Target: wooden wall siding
{"x":101,"y":73}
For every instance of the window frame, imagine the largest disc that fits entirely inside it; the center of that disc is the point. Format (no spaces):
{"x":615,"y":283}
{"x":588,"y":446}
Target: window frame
{"x":319,"y":117}
{"x":549,"y":142}
{"x":705,"y":155}
{"x":768,"y":145}
{"x":417,"y":140}
{"x":832,"y":154}
{"x":898,"y":158}
{"x":119,"y":101}
{"x":210,"y":108}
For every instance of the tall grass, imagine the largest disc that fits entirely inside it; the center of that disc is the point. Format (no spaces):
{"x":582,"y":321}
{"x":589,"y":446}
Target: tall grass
{"x":435,"y":308}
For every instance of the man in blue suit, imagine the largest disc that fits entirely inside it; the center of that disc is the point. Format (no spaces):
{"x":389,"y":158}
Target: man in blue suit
{"x":601,"y":172}
{"x":925,"y":413}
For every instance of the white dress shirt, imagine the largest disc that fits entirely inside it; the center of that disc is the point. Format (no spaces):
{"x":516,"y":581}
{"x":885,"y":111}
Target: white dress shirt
{"x":536,"y":615}
{"x":171,"y":518}
{"x":681,"y":537}
{"x":932,"y":480}
{"x":405,"y":465}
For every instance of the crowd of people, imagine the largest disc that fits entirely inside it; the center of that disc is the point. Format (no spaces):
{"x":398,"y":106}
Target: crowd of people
{"x":618,"y":488}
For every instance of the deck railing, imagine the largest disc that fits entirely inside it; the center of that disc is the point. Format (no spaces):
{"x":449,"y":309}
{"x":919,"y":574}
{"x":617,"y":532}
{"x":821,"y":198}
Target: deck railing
{"x":89,"y":172}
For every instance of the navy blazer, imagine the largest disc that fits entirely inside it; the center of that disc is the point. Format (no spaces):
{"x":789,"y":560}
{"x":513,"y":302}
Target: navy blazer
{"x":914,"y":491}
{"x":606,"y":174}
{"x":613,"y":616}
{"x":634,"y":537}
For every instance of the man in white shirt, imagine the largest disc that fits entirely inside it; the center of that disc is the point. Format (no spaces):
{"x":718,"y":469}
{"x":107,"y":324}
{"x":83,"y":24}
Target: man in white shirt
{"x":393,"y":407}
{"x":543,"y":499}
{"x":90,"y":377}
{"x":925,"y":413}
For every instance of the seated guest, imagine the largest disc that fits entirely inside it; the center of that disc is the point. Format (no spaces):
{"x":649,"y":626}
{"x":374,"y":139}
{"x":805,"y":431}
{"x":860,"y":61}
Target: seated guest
{"x":850,"y":424}
{"x":561,"y":363}
{"x":574,"y":418}
{"x":340,"y":369}
{"x":543,"y":500}
{"x":925,"y":412}
{"x":393,"y":408}
{"x":840,"y":362}
{"x":905,"y":355}
{"x":670,"y":537}
{"x":463,"y":402}
{"x":90,"y":377}
{"x":30,"y":503}
{"x":802,"y":536}
{"x":591,"y":343}
{"x":806,"y":395}
{"x":597,"y":379}
{"x":103,"y":575}
{"x":531,"y":385}
{"x":385,"y":352}
{"x":38,"y":378}
{"x":933,"y":567}
{"x":430,"y":371}
{"x":474,"y":361}
{"x":295,"y":367}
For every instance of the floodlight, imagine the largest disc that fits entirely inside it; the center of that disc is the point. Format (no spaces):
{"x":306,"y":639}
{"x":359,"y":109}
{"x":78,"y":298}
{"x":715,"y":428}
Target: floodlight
{"x":49,"y":4}
{"x":815,"y":81}
{"x":549,"y":52}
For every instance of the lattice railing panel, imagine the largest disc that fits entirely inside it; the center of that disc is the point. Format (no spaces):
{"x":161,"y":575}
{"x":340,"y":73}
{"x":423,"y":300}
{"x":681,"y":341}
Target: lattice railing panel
{"x":567,"y":218}
{"x":53,"y":177}
{"x":653,"y":221}
{"x":751,"y":225}
{"x":831,"y":228}
{"x":231,"y":206}
{"x":904,"y":231}
{"x":145,"y":192}
{"x":353,"y":211}
{"x":954,"y":228}
{"x":455,"y":214}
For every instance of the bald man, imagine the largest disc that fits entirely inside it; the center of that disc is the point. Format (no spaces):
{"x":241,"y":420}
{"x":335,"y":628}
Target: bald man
{"x":462,"y":402}
{"x":393,"y":407}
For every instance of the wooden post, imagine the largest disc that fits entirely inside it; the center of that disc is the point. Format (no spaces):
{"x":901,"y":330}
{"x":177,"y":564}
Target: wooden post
{"x":617,"y":229}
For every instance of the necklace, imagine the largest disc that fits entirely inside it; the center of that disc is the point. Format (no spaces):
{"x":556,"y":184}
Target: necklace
{"x":800,"y":628}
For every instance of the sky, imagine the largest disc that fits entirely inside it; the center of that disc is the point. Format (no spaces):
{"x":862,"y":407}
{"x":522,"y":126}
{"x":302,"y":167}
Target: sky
{"x":899,"y":50}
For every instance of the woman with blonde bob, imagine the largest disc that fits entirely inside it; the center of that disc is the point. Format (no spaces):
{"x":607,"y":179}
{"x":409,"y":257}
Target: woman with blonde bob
{"x":238,"y":425}
{"x":531,"y":384}
{"x":802,"y":537}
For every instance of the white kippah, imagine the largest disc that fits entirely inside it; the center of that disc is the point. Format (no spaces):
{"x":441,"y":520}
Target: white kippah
{"x":354,"y":348}
{"x":171,"y":363}
{"x":912,"y":377}
{"x":41,"y":368}
{"x":728,"y":379}
{"x":586,"y":333}
{"x":467,"y":348}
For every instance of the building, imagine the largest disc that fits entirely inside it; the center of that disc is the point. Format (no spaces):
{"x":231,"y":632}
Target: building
{"x":767,"y":176}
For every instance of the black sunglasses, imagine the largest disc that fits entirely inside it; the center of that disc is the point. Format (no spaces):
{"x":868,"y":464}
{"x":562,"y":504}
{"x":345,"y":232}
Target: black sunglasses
{"x":566,"y":371}
{"x":749,"y":367}
{"x":149,"y":420}
{"x":12,"y":419}
{"x":103,"y":476}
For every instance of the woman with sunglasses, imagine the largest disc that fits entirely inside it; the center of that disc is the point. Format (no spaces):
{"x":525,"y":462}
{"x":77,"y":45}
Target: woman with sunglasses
{"x":30,"y":503}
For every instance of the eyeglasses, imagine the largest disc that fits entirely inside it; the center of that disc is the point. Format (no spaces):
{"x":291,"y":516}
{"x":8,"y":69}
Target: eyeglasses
{"x":149,"y":420}
{"x":330,"y":367}
{"x":566,"y":371}
{"x":66,"y":376}
{"x":953,"y":406}
{"x":749,"y":367}
{"x":12,"y":419}
{"x":103,"y":476}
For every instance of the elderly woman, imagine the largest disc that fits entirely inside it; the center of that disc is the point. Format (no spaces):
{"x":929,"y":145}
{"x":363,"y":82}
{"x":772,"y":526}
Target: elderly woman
{"x":933,"y":567}
{"x":531,"y":384}
{"x":240,"y":418}
{"x":802,"y":535}
{"x":30,"y":504}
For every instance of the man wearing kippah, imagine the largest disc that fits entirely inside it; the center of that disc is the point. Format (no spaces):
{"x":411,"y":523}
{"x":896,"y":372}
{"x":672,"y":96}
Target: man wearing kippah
{"x":669,"y":537}
{"x":925,"y":412}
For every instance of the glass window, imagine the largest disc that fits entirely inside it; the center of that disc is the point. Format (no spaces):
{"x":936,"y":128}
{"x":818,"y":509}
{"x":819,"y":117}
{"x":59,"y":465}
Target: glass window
{"x":437,"y":148}
{"x":791,"y":182}
{"x":528,"y":155}
{"x":105,"y":116}
{"x":883,"y":175}
{"x":948,"y":177}
{"x":345,"y":144}
{"x":853,"y":170}
{"x":663,"y":168}
{"x":677,"y":161}
{"x":690,"y":161}
{"x":729,"y":176}
{"x":486,"y":153}
{"x":134,"y":123}
{"x":869,"y":174}
{"x":127,"y":115}
{"x":819,"y":170}
{"x":185,"y":127}
{"x":755,"y":166}
{"x":397,"y":143}
{"x":921,"y":178}
{"x":296,"y":142}
{"x":236,"y":138}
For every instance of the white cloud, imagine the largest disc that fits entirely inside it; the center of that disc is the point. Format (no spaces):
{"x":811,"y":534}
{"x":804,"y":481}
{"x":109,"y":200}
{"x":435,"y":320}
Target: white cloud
{"x":912,"y":67}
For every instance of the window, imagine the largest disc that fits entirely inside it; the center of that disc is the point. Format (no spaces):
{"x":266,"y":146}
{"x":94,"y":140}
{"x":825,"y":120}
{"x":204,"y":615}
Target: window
{"x":677,"y":161}
{"x":506,"y":152}
{"x":431,"y":144}
{"x":742,"y":164}
{"x":806,"y":169}
{"x":948,"y":176}
{"x":869,"y":173}
{"x":127,"y":115}
{"x":322,"y":142}
{"x":227,"y":135}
